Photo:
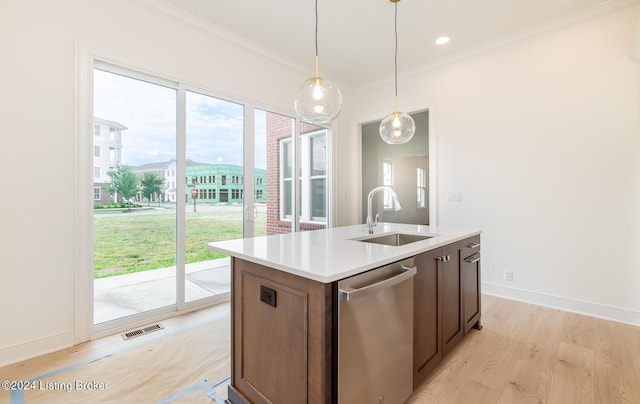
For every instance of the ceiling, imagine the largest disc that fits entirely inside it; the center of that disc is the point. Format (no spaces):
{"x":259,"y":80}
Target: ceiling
{"x":356,"y":37}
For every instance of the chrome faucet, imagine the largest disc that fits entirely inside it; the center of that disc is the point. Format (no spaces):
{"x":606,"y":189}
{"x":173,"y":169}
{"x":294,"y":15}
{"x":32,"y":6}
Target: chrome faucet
{"x":371,"y":222}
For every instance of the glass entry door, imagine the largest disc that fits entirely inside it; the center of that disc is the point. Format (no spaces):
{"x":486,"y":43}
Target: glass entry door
{"x":134,"y":195}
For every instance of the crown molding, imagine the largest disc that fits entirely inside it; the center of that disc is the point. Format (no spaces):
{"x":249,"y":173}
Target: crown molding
{"x":508,"y":40}
{"x":226,"y":35}
{"x":250,"y":46}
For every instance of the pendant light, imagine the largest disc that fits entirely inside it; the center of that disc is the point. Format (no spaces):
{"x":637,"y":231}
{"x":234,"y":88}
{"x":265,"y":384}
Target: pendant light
{"x":397,"y":127}
{"x":318,"y":101}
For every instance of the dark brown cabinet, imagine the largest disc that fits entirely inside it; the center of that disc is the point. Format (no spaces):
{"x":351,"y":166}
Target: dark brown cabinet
{"x":451,"y":296}
{"x":446,"y":302}
{"x":427,"y":344}
{"x":284,"y":327}
{"x":470,"y":272}
{"x":281,"y":337}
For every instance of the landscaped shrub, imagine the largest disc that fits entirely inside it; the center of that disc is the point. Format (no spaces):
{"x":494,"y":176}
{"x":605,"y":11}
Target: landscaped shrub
{"x":116,"y":205}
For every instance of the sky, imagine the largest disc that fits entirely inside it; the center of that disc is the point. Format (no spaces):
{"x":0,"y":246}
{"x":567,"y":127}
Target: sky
{"x":214,"y":126}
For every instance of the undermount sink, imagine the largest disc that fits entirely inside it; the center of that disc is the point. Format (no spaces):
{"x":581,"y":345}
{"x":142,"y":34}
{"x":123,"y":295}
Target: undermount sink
{"x":395,"y":239}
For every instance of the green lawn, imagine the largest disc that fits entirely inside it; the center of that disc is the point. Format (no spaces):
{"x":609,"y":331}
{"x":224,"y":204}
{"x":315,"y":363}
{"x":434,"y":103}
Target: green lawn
{"x":135,"y":242}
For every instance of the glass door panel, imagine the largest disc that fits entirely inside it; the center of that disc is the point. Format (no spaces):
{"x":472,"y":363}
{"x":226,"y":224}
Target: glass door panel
{"x":273,"y":160}
{"x":313,"y":197}
{"x":139,"y":179}
{"x":134,"y":163}
{"x":214,"y":179}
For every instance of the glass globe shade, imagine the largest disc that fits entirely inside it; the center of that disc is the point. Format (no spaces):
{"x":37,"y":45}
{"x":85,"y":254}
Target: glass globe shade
{"x":397,"y":128}
{"x":318,"y":101}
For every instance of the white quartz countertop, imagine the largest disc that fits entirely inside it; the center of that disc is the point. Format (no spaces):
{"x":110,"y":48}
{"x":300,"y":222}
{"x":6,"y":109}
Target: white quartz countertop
{"x":332,"y":254}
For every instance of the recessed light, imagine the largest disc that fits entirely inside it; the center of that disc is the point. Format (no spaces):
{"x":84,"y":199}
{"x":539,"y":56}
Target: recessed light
{"x":442,"y":40}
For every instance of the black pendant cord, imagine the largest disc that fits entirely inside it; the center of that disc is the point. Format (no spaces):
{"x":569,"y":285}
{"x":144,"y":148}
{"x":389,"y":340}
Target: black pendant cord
{"x":395,"y":61}
{"x":316,"y":33}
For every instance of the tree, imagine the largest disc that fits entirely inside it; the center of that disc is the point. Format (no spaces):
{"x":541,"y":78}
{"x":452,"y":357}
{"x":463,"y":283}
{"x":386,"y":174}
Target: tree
{"x":150,"y":183}
{"x":123,"y":182}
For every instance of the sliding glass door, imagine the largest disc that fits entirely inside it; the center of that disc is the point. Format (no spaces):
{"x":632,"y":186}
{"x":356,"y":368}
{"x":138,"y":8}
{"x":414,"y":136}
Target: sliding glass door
{"x":215,"y":182}
{"x":176,"y":167}
{"x":134,"y":226}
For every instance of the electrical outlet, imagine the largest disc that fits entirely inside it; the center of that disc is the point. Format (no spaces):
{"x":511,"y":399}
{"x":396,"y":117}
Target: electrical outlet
{"x":508,"y":275}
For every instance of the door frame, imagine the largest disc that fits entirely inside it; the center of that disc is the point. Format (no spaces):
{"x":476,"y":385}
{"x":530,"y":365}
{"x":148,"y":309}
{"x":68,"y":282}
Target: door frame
{"x":432,"y":154}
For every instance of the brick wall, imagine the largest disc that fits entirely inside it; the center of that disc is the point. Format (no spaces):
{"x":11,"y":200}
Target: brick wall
{"x":278,"y":127}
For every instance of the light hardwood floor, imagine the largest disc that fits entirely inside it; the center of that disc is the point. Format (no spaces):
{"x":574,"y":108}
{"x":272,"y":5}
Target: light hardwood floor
{"x":532,"y":354}
{"x":524,"y":354}
{"x":187,"y":358}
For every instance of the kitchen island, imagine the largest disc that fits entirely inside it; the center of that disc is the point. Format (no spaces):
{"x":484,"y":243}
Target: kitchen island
{"x":285,"y":297}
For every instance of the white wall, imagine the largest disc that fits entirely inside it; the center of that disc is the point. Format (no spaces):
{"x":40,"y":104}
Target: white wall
{"x":38,"y":42}
{"x":542,"y":138}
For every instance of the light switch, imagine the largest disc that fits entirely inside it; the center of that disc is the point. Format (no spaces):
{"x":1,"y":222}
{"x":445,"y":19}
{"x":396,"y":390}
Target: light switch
{"x":454,"y":196}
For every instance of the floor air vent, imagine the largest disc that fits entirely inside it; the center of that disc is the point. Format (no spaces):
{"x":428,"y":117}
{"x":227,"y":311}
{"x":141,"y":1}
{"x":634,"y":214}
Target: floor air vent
{"x":141,"y":331}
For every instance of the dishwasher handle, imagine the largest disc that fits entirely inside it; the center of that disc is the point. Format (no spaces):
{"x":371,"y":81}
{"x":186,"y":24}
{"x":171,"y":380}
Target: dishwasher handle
{"x":407,"y":273}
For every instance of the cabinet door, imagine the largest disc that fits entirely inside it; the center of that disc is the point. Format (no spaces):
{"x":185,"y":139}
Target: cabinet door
{"x":427,"y":350}
{"x":470,"y":271}
{"x":451,"y":296}
{"x":282,"y":337}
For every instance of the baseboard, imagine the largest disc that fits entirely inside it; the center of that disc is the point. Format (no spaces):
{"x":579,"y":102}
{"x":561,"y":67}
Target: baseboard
{"x":31,"y":349}
{"x":562,"y":303}
{"x":235,"y":397}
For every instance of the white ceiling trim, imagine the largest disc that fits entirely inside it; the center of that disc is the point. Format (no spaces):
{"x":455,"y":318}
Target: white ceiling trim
{"x":510,"y":39}
{"x":251,"y":46}
{"x":226,"y":35}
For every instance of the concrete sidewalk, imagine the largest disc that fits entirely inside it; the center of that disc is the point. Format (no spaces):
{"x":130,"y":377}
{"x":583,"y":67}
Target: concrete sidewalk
{"x":125,"y":295}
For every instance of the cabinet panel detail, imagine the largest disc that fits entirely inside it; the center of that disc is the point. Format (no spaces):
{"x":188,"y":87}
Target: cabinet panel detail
{"x":471,"y":297}
{"x":426,"y":326}
{"x":278,"y":351}
{"x":470,"y":272}
{"x":451,"y":312}
{"x":281,"y":337}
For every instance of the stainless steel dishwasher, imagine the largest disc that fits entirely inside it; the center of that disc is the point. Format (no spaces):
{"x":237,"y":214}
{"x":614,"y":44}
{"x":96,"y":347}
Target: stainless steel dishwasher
{"x":375,"y":335}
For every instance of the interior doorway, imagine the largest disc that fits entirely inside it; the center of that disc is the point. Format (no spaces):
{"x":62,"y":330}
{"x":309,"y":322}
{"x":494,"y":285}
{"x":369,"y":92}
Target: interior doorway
{"x":405,"y":168}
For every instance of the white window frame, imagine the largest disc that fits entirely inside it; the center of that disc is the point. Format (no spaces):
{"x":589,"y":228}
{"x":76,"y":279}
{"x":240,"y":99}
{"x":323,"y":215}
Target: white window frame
{"x":421,"y":185}
{"x":304,"y":179}
{"x":309,"y":178}
{"x":387,"y":180}
{"x":284,"y":180}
